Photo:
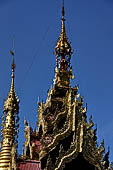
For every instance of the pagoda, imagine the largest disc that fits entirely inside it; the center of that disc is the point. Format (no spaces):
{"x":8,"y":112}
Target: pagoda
{"x":65,"y":140}
{"x":10,"y":128}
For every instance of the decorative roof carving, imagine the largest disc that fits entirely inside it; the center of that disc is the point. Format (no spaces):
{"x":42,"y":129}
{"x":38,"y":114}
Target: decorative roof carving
{"x":84,"y":135}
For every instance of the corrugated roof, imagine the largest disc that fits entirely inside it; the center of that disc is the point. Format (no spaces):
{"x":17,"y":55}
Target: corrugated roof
{"x":29,"y":165}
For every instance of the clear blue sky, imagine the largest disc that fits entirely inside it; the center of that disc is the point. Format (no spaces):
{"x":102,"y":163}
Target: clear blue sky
{"x":36,"y":27}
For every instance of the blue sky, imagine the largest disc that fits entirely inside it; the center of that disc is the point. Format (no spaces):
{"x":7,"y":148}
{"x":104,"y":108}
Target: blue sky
{"x":36,"y":27}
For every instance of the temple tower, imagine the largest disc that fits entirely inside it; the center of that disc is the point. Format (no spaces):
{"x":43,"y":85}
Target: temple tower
{"x":63,"y":139}
{"x":66,"y":138}
{"x":10,"y":125}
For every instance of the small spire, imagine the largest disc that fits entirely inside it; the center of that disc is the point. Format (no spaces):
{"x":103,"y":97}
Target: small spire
{"x":12,"y":95}
{"x":63,"y":11}
{"x":13,"y":65}
{"x":13,"y":70}
{"x":13,"y":54}
{"x":10,"y":124}
{"x":63,"y":23}
{"x":63,"y":52}
{"x":63,"y":46}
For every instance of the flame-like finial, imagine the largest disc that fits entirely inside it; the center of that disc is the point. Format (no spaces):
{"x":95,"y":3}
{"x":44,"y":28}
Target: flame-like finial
{"x":63,"y":46}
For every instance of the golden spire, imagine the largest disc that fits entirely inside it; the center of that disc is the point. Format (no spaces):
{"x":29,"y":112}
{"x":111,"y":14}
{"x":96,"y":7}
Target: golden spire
{"x":12,"y":100}
{"x":63,"y":51}
{"x":63,"y":45}
{"x":10,"y":125}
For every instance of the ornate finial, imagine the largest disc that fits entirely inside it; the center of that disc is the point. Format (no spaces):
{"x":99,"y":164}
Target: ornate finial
{"x":13,"y":64}
{"x":63,"y":46}
{"x":63,"y":11}
{"x":13,"y":54}
{"x":13,"y":70}
{"x":12,"y":98}
{"x":63,"y":51}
